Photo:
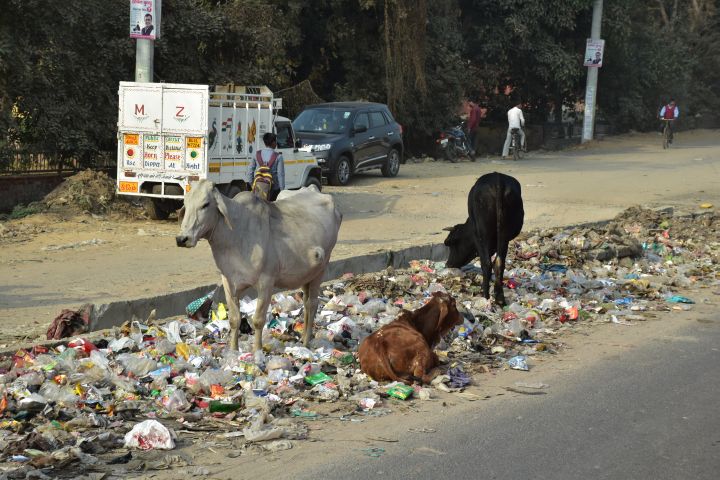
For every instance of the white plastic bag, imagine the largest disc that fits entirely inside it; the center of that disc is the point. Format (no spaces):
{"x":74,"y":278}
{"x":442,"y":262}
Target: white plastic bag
{"x":150,"y":435}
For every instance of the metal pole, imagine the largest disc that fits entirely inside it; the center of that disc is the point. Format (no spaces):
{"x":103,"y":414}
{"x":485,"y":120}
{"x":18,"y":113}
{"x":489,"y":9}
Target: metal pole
{"x":144,"y":55}
{"x":592,"y":78}
{"x":145,"y":50}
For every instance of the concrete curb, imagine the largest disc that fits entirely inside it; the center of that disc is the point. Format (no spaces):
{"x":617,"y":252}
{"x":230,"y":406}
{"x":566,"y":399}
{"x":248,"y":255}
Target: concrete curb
{"x":113,"y":314}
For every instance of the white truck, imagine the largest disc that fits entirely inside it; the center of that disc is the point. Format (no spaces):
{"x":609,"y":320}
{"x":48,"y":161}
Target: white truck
{"x":170,"y":135}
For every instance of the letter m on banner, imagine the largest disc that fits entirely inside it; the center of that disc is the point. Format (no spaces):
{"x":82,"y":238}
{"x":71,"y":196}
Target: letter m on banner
{"x":139,"y":109}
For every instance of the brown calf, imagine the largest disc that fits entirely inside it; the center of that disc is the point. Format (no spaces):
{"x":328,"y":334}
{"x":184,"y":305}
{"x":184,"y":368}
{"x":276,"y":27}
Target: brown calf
{"x":402,"y":350}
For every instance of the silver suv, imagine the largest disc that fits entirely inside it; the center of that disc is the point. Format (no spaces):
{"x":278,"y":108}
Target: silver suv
{"x":351,"y":137}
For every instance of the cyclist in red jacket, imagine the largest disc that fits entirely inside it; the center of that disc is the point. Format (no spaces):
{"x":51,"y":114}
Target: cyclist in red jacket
{"x":670,"y":112}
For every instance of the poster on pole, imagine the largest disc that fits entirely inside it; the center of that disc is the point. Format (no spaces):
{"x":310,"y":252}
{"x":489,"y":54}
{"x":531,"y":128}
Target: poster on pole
{"x":144,"y":19}
{"x":594,"y":50}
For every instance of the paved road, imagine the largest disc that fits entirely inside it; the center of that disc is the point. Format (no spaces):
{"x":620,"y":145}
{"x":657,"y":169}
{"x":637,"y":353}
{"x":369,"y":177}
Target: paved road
{"x":651,"y":413}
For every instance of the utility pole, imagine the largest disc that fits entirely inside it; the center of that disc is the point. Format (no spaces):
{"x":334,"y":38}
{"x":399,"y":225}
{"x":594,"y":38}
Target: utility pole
{"x":592,"y":77}
{"x":145,"y":50}
{"x":144,"y":57}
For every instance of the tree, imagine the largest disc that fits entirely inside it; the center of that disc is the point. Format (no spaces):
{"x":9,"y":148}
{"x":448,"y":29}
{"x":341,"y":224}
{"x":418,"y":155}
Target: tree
{"x":656,"y":51}
{"x":532,"y":48}
{"x":54,"y":95}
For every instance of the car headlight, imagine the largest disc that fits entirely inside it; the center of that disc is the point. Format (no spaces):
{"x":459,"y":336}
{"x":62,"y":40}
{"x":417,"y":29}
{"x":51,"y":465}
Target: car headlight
{"x":321,"y":148}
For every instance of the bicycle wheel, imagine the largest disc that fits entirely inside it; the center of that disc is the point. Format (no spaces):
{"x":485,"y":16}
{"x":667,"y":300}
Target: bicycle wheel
{"x":666,"y":136}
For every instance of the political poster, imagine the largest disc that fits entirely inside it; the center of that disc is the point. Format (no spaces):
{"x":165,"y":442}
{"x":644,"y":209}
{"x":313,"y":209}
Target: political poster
{"x":594,"y":50}
{"x":144,"y":19}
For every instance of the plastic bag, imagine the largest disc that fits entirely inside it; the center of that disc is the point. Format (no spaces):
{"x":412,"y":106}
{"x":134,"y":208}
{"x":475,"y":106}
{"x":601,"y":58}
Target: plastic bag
{"x":323,"y":392}
{"x":174,"y":399}
{"x":138,"y":366}
{"x":215,"y":377}
{"x":299,"y":352}
{"x":518,"y":362}
{"x":344,"y":328}
{"x":121,"y":343}
{"x":150,"y":435}
{"x":276,"y":362}
{"x":277,"y":376}
{"x":99,"y":359}
{"x":259,"y":435}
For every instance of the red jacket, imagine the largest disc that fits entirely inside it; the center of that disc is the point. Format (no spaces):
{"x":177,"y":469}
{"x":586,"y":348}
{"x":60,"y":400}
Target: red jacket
{"x":669,"y":112}
{"x":473,"y":118}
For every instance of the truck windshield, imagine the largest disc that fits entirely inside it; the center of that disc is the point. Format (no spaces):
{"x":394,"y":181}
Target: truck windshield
{"x":322,"y":120}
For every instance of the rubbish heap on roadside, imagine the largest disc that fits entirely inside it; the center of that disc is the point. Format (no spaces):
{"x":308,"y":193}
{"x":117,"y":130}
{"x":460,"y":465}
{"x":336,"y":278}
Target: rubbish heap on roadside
{"x":88,"y":403}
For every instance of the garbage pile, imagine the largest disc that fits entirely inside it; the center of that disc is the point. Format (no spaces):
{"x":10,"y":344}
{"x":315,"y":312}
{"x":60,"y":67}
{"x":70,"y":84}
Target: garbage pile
{"x":88,"y":191}
{"x":86,"y":403}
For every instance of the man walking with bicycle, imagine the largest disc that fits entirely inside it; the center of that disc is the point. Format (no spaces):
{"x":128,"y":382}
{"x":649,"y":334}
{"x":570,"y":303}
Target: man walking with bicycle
{"x":515,"y":120}
{"x":668,"y":114}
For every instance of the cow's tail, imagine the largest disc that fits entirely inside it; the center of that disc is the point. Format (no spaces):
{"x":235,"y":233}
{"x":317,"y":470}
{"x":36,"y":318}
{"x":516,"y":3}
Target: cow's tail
{"x":385,"y":362}
{"x":498,"y":221}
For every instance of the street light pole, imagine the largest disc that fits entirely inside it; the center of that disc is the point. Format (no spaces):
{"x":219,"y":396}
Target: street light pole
{"x":592,"y":78}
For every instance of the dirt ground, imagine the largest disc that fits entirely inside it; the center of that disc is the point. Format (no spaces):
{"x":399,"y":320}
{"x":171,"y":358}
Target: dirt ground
{"x":48,"y":263}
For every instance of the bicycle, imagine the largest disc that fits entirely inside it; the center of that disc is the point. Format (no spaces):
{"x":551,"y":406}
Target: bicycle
{"x":515,"y":144}
{"x":667,"y":132}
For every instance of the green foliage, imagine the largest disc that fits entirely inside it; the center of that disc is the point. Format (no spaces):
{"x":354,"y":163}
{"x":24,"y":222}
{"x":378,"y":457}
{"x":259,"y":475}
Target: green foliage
{"x":425,"y":112}
{"x":60,"y":65}
{"x":651,"y":59}
{"x":21,"y":211}
{"x":533,"y":48}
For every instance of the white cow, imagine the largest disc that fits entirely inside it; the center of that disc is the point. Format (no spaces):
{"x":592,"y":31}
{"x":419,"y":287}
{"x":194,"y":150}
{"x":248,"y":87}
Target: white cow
{"x":284,"y":244}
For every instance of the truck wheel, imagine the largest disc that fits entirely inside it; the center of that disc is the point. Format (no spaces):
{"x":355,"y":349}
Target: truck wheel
{"x":313,"y":181}
{"x":154,"y":209}
{"x":234,"y":189}
{"x":392,"y":165}
{"x":342,"y":172}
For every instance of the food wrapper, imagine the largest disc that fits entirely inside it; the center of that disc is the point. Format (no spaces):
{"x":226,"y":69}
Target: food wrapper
{"x":317,"y":378}
{"x":403,"y":392}
{"x":200,"y":308}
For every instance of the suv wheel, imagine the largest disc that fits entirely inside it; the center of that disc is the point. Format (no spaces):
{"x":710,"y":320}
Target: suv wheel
{"x":392,"y":164}
{"x":342,"y":172}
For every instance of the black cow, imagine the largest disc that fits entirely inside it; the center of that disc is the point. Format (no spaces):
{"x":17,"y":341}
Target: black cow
{"x":496,"y":216}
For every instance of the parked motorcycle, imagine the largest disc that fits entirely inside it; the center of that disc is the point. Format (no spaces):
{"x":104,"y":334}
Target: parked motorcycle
{"x":454,"y":143}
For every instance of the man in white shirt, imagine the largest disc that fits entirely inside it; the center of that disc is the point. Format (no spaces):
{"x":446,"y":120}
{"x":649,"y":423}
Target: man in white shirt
{"x":515,"y":120}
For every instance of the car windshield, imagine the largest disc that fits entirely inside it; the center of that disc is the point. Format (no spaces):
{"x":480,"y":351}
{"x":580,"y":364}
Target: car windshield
{"x":322,"y":120}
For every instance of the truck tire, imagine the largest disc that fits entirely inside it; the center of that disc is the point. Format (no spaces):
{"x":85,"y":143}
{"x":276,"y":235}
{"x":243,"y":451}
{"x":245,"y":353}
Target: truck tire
{"x":342,"y":172}
{"x":392,"y":164}
{"x":155,"y":209}
{"x":233,"y":189}
{"x":314,"y":181}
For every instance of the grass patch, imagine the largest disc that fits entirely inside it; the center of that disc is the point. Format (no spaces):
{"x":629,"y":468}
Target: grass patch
{"x":22,"y":211}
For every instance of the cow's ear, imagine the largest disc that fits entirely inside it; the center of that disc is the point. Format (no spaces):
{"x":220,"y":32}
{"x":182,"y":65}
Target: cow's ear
{"x":222,"y":207}
{"x":442,"y":303}
{"x":181,"y":214}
